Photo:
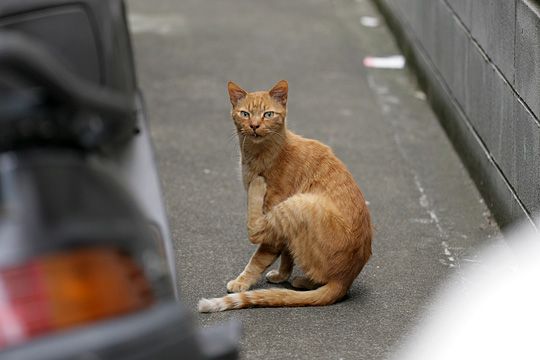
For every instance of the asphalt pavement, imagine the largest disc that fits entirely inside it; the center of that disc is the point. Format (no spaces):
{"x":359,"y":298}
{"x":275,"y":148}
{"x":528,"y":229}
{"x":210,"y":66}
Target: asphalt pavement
{"x":430,"y":220}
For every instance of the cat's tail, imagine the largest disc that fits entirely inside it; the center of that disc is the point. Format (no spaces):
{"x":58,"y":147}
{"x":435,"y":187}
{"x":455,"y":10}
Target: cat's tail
{"x":324,"y":295}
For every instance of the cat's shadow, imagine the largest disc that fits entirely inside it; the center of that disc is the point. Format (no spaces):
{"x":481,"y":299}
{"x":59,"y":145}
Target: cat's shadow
{"x":263,"y":284}
{"x":359,"y":293}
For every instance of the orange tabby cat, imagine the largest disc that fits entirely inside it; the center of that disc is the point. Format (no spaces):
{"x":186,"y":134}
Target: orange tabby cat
{"x":303,"y":204}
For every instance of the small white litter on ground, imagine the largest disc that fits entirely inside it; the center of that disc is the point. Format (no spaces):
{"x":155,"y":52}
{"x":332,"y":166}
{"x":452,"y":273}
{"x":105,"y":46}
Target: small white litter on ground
{"x":420,"y":95}
{"x":369,"y":21}
{"x":388,"y":62}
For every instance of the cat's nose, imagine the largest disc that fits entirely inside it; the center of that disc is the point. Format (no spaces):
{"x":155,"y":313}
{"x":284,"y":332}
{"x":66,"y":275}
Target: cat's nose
{"x":254,"y":126}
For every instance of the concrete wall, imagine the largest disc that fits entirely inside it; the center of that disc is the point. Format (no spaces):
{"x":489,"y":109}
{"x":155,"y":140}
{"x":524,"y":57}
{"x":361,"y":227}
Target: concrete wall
{"x":479,"y":61}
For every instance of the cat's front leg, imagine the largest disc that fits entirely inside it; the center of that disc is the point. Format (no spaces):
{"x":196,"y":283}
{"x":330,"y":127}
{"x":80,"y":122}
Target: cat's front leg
{"x":259,"y":262}
{"x":255,"y":218}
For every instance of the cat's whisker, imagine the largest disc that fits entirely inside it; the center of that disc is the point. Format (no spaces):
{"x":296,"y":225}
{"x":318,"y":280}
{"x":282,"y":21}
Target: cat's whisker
{"x":275,"y":132}
{"x":232,"y":136}
{"x":233,"y":148}
{"x":281,"y":137}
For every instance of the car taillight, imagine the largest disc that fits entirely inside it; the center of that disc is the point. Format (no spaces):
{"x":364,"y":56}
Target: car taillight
{"x":66,"y":289}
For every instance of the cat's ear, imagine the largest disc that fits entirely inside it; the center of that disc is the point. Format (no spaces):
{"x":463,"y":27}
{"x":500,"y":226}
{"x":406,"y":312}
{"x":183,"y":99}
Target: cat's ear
{"x":280,"y":91}
{"x":236,"y":93}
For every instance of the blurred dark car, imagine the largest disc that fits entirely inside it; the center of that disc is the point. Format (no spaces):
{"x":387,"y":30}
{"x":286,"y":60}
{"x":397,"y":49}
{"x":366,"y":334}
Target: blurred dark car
{"x":86,"y":259}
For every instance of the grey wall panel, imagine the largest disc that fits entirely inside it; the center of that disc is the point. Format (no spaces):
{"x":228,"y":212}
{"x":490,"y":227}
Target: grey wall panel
{"x":422,"y":15}
{"x":502,"y":142}
{"x":527,"y":157}
{"x":493,"y":27}
{"x":478,"y":86}
{"x":444,"y":42}
{"x":457,"y":78}
{"x":527,"y":56}
{"x":430,"y":29}
{"x":463,"y":9}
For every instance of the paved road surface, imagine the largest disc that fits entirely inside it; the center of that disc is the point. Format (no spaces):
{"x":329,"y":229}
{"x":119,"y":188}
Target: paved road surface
{"x":429,"y":217}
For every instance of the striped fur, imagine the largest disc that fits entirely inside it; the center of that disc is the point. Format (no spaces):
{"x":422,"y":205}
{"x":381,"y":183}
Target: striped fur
{"x":303,"y":204}
{"x":323,"y":295}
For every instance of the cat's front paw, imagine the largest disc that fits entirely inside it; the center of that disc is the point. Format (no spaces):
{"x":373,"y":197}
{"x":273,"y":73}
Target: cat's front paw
{"x":235,"y":286}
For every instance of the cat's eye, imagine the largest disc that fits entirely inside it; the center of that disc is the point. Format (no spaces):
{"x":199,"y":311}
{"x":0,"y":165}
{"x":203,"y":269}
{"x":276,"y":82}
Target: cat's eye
{"x":244,"y":114}
{"x":268,"y":114}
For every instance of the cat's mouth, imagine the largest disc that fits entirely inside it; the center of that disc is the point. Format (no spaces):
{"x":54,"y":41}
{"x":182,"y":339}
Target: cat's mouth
{"x":256,"y":137}
{"x":253,"y":136}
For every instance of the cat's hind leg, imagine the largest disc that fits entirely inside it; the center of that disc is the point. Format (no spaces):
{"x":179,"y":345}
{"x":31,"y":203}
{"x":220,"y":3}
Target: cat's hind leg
{"x":316,"y":235}
{"x":259,"y":262}
{"x":285,"y":269}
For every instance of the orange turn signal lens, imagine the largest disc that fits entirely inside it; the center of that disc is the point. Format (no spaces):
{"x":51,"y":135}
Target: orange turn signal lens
{"x":66,"y":289}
